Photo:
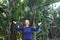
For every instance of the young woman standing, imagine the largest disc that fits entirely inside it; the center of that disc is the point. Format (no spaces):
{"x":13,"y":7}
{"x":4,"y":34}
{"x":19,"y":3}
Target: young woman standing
{"x":27,"y":30}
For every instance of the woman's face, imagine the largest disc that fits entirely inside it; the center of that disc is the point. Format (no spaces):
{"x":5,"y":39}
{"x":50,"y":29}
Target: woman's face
{"x":27,"y":22}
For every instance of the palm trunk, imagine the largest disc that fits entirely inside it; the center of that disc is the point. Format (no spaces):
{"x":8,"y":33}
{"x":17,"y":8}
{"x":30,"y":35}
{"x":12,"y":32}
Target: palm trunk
{"x":11,"y":26}
{"x":33,"y":20}
{"x":12,"y":35}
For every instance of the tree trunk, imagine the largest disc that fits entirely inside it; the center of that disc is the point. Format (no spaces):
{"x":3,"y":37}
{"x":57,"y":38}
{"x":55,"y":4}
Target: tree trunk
{"x":12,"y":35}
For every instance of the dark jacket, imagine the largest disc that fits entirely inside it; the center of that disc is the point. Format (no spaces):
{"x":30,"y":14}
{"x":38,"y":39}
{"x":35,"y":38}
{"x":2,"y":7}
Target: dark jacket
{"x":27,"y":32}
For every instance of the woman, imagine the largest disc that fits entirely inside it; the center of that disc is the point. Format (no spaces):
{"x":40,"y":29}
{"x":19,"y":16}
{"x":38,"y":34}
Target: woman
{"x":27,"y":30}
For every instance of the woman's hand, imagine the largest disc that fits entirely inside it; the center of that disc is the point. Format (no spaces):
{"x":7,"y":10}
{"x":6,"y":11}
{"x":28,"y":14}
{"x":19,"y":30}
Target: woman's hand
{"x":39,"y":23}
{"x":14,"y":22}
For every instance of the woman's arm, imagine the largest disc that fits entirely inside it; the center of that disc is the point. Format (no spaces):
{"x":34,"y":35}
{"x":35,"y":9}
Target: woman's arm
{"x":16,"y":26}
{"x":37,"y":28}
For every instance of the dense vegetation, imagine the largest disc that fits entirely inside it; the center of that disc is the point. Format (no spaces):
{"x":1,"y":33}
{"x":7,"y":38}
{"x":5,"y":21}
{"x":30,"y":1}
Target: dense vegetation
{"x":35,"y":10}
